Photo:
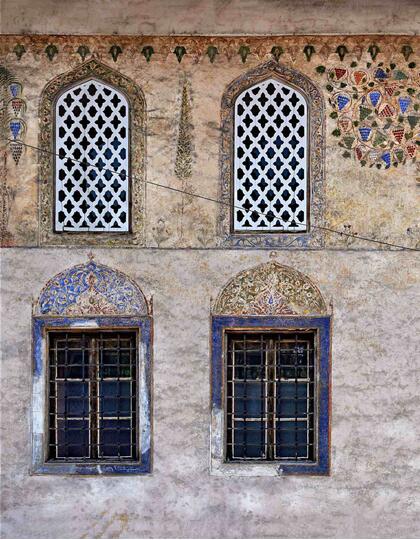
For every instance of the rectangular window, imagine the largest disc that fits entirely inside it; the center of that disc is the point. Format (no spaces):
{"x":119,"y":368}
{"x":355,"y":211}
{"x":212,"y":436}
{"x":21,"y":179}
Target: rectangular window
{"x":270,"y":394}
{"x":92,"y":394}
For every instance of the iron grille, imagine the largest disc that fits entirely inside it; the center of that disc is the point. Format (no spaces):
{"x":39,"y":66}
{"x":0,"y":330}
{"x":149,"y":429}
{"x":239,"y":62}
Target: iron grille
{"x":270,"y":395}
{"x":92,"y":396}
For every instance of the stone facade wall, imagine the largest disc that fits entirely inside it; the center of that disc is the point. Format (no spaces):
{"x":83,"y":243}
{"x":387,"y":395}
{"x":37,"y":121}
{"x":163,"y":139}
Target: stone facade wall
{"x":370,"y":186}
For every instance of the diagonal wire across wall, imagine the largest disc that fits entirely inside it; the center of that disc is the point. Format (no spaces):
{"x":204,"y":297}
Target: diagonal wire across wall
{"x":206,"y":198}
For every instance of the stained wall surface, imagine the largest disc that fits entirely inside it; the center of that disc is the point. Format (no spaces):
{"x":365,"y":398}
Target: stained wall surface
{"x":371,"y":190}
{"x":212,"y":17}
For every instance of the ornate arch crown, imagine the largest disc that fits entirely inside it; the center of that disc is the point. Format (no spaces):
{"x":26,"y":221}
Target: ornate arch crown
{"x":91,"y":289}
{"x":91,"y":70}
{"x":316,"y":111}
{"x":270,"y":289}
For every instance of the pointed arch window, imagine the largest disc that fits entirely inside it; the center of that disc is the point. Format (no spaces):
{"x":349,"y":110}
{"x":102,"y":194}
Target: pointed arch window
{"x":270,"y":165}
{"x":92,"y":149}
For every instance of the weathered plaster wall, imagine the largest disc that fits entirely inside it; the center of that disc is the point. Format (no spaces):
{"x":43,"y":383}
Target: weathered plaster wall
{"x":173,"y":220}
{"x":209,"y":16}
{"x":373,"y":488}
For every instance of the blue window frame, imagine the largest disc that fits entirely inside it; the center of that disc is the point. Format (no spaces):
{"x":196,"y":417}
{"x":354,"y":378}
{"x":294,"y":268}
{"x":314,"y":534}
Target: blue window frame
{"x":139,"y":462}
{"x":226,"y":387}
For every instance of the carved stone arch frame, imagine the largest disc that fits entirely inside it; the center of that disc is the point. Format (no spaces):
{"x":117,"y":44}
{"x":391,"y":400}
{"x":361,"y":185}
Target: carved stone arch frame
{"x":316,"y":144}
{"x":134,"y":95}
{"x":270,"y":297}
{"x":91,"y":297}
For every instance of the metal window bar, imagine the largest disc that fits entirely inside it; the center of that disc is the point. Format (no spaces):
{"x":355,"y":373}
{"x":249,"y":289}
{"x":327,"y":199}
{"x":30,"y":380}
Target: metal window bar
{"x":92,"y":396}
{"x":270,"y":396}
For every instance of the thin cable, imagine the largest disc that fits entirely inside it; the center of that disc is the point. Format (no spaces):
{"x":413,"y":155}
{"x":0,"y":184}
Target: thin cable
{"x":210,"y":199}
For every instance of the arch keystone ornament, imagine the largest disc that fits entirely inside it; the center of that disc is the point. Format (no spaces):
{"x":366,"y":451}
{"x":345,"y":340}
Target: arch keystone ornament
{"x":270,"y":289}
{"x":315,"y":138}
{"x":91,"y":289}
{"x":96,"y":71}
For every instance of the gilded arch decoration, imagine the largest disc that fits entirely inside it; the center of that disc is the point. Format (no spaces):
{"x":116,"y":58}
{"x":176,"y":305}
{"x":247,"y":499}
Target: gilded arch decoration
{"x":315,"y":100}
{"x":91,"y":70}
{"x":270,"y":289}
{"x":91,"y":289}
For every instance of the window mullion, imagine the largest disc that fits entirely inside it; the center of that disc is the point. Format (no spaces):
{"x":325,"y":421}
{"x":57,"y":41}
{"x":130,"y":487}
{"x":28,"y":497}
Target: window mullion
{"x":270,"y":377}
{"x":93,"y":396}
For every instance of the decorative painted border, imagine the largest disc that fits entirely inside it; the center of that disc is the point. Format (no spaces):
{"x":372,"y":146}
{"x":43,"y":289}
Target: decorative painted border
{"x":219,"y":326}
{"x":51,"y":92}
{"x":39,"y":396}
{"x":314,"y":97}
{"x":209,"y":48}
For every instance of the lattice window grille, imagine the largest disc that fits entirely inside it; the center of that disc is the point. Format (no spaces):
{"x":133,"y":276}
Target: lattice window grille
{"x":270,"y":162}
{"x":92,"y":126}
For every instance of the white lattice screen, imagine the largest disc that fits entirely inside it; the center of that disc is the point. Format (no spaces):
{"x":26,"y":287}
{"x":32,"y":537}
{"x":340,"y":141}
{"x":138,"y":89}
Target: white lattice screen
{"x":92,"y":190}
{"x":270,"y":165}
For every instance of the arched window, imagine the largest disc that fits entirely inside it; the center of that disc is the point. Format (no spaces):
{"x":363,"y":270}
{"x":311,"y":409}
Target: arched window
{"x":91,"y":163}
{"x":270,"y":162}
{"x":91,"y":126}
{"x":271,"y":333}
{"x":92,"y":369}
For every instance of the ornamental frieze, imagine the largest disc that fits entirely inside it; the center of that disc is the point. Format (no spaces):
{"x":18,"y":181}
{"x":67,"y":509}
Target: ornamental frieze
{"x":211,"y":49}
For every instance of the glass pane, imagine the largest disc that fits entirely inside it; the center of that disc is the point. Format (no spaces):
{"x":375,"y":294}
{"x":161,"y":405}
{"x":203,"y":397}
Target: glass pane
{"x":291,"y":439}
{"x":72,"y":398}
{"x":70,"y":364}
{"x":248,"y":439}
{"x":116,"y":364}
{"x":115,"y":398}
{"x":115,"y":438}
{"x":73,"y":438}
{"x":248,"y":400}
{"x":292,"y":360}
{"x":292,"y":399}
{"x":248,"y":359}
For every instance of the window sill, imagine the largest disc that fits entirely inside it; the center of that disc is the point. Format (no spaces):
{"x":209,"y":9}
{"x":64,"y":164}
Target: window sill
{"x":276,"y":468}
{"x":95,"y":469}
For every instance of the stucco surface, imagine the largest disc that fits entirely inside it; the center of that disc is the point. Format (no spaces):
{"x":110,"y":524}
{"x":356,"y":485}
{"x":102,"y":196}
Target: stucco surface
{"x":373,"y":488}
{"x":209,"y":16}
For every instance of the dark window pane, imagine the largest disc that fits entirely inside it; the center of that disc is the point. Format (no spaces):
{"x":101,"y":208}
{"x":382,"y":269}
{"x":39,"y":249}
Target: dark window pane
{"x":72,"y":398}
{"x":73,"y":438}
{"x":92,"y":395}
{"x":270,"y":384}
{"x":115,"y":398}
{"x":292,"y":439}
{"x":116,"y":363}
{"x":249,"y":400}
{"x":70,"y":364}
{"x":248,"y":439}
{"x":292,"y":399}
{"x":115,"y":438}
{"x":292,"y":360}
